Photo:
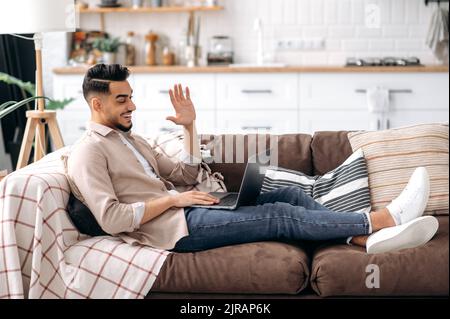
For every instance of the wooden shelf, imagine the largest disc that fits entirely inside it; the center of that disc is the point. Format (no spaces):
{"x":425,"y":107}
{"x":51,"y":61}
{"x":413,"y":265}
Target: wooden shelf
{"x":150,"y":10}
{"x":262,"y":69}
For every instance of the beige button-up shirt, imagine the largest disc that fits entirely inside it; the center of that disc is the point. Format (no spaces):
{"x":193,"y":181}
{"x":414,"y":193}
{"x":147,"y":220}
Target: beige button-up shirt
{"x":107,"y":177}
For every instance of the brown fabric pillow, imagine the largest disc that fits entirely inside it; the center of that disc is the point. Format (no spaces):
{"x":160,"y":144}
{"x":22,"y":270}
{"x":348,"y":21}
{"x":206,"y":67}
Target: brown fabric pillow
{"x":329,"y":150}
{"x":392,"y":156}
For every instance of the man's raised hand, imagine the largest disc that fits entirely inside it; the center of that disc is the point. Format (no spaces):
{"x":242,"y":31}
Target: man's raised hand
{"x":184,"y":108}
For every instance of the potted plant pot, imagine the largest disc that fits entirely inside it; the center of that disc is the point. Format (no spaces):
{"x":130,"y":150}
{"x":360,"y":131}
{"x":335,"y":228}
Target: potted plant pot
{"x":109,"y":57}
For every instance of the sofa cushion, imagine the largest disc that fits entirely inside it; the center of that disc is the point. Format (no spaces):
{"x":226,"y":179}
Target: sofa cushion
{"x":293,"y":153}
{"x":392,"y":155}
{"x":343,"y":270}
{"x":344,"y":189}
{"x":329,"y":150}
{"x":257,"y":268}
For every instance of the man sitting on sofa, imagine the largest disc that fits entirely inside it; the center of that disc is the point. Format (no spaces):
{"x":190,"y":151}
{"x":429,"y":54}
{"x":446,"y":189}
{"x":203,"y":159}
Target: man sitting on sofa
{"x":128,"y":187}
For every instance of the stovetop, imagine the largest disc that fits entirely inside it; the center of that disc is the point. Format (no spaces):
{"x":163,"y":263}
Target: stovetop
{"x":386,"y":61}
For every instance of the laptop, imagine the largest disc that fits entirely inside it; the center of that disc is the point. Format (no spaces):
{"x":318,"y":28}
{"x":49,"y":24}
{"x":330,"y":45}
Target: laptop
{"x":248,"y":192}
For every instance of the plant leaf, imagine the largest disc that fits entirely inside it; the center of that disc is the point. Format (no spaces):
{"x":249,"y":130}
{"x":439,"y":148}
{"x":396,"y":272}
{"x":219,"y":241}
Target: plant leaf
{"x":27,"y":86}
{"x":57,"y":104}
{"x":10,"y":107}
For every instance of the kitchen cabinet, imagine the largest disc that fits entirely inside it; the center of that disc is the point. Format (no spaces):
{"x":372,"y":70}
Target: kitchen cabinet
{"x":151,"y":91}
{"x":408,"y":117}
{"x":269,"y":102}
{"x":334,"y":120}
{"x":266,"y":122}
{"x":257,"y":103}
{"x":338,"y":101}
{"x":267,"y":91}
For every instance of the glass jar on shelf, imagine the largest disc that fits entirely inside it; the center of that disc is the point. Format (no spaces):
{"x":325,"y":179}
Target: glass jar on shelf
{"x":150,"y":48}
{"x":220,"y":50}
{"x":130,"y":57}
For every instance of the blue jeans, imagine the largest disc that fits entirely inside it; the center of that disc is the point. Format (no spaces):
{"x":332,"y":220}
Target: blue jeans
{"x":284,"y":214}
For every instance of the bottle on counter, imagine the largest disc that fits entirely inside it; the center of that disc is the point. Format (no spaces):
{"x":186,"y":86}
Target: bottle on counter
{"x":168,"y":57}
{"x":150,"y":48}
{"x":130,"y":58}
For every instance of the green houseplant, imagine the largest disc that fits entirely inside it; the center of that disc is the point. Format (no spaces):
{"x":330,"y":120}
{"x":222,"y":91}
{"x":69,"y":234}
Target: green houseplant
{"x":28,"y":87}
{"x":108,"y":47}
{"x":11,"y":106}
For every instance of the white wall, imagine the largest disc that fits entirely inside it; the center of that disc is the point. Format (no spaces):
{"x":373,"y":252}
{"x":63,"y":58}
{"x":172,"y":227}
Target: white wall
{"x":402,"y":32}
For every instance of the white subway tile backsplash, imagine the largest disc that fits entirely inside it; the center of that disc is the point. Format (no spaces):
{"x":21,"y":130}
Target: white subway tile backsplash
{"x":277,"y":12}
{"x":263,"y":10}
{"x":313,"y":32}
{"x":344,"y":12}
{"x":398,"y":11}
{"x":357,"y":12}
{"x":304,"y":12}
{"x":331,"y":8}
{"x":425,"y":57}
{"x":381,"y":45}
{"x":409,"y":45}
{"x":337,"y":58}
{"x":288,"y":32}
{"x":412,"y":12}
{"x":341,"y":31}
{"x":290,"y":12}
{"x":426,"y":13}
{"x":317,"y":12}
{"x":418,"y":31}
{"x":355,"y":45}
{"x":395,"y":31}
{"x":363,"y":32}
{"x":386,"y":11}
{"x":333,"y":45}
{"x":314,"y":58}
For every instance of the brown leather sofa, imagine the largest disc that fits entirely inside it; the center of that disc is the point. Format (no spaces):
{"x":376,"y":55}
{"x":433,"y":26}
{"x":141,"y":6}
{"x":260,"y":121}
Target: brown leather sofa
{"x":303,"y":269}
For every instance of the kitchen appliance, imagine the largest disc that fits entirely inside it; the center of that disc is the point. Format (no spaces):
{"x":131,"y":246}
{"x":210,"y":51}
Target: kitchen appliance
{"x":109,"y":4}
{"x":386,"y":61}
{"x":220,"y":50}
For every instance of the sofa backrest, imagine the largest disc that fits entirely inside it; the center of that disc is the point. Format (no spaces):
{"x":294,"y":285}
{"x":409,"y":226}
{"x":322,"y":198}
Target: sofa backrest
{"x":294,"y":152}
{"x":311,"y":155}
{"x":329,"y":149}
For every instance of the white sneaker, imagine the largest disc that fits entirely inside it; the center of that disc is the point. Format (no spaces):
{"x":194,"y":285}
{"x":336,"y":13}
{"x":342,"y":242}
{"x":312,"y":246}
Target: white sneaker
{"x":412,"y":201}
{"x":412,"y":234}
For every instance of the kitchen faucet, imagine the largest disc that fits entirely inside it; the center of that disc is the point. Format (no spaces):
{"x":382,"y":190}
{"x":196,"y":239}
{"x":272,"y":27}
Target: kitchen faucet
{"x":260,"y":50}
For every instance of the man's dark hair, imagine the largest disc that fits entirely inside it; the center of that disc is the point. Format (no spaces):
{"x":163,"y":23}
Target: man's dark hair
{"x":98,"y":77}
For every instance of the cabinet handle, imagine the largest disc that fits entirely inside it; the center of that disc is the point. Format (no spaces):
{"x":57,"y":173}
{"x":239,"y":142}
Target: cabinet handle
{"x":390,"y":91}
{"x":257,"y":91}
{"x":388,"y":124}
{"x":378,"y":124}
{"x":246,"y":128}
{"x":166,"y":129}
{"x":82,"y":128}
{"x":163,"y":91}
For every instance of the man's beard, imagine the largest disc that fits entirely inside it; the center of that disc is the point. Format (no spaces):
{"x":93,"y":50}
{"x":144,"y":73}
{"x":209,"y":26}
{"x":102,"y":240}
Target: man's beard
{"x":123,"y":128}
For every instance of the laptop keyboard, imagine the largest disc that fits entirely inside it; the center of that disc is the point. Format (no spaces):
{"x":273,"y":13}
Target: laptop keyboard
{"x":228,"y":200}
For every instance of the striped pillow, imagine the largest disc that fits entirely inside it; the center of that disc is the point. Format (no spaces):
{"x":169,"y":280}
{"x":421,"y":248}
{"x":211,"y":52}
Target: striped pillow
{"x":392,"y":155}
{"x":344,"y":189}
